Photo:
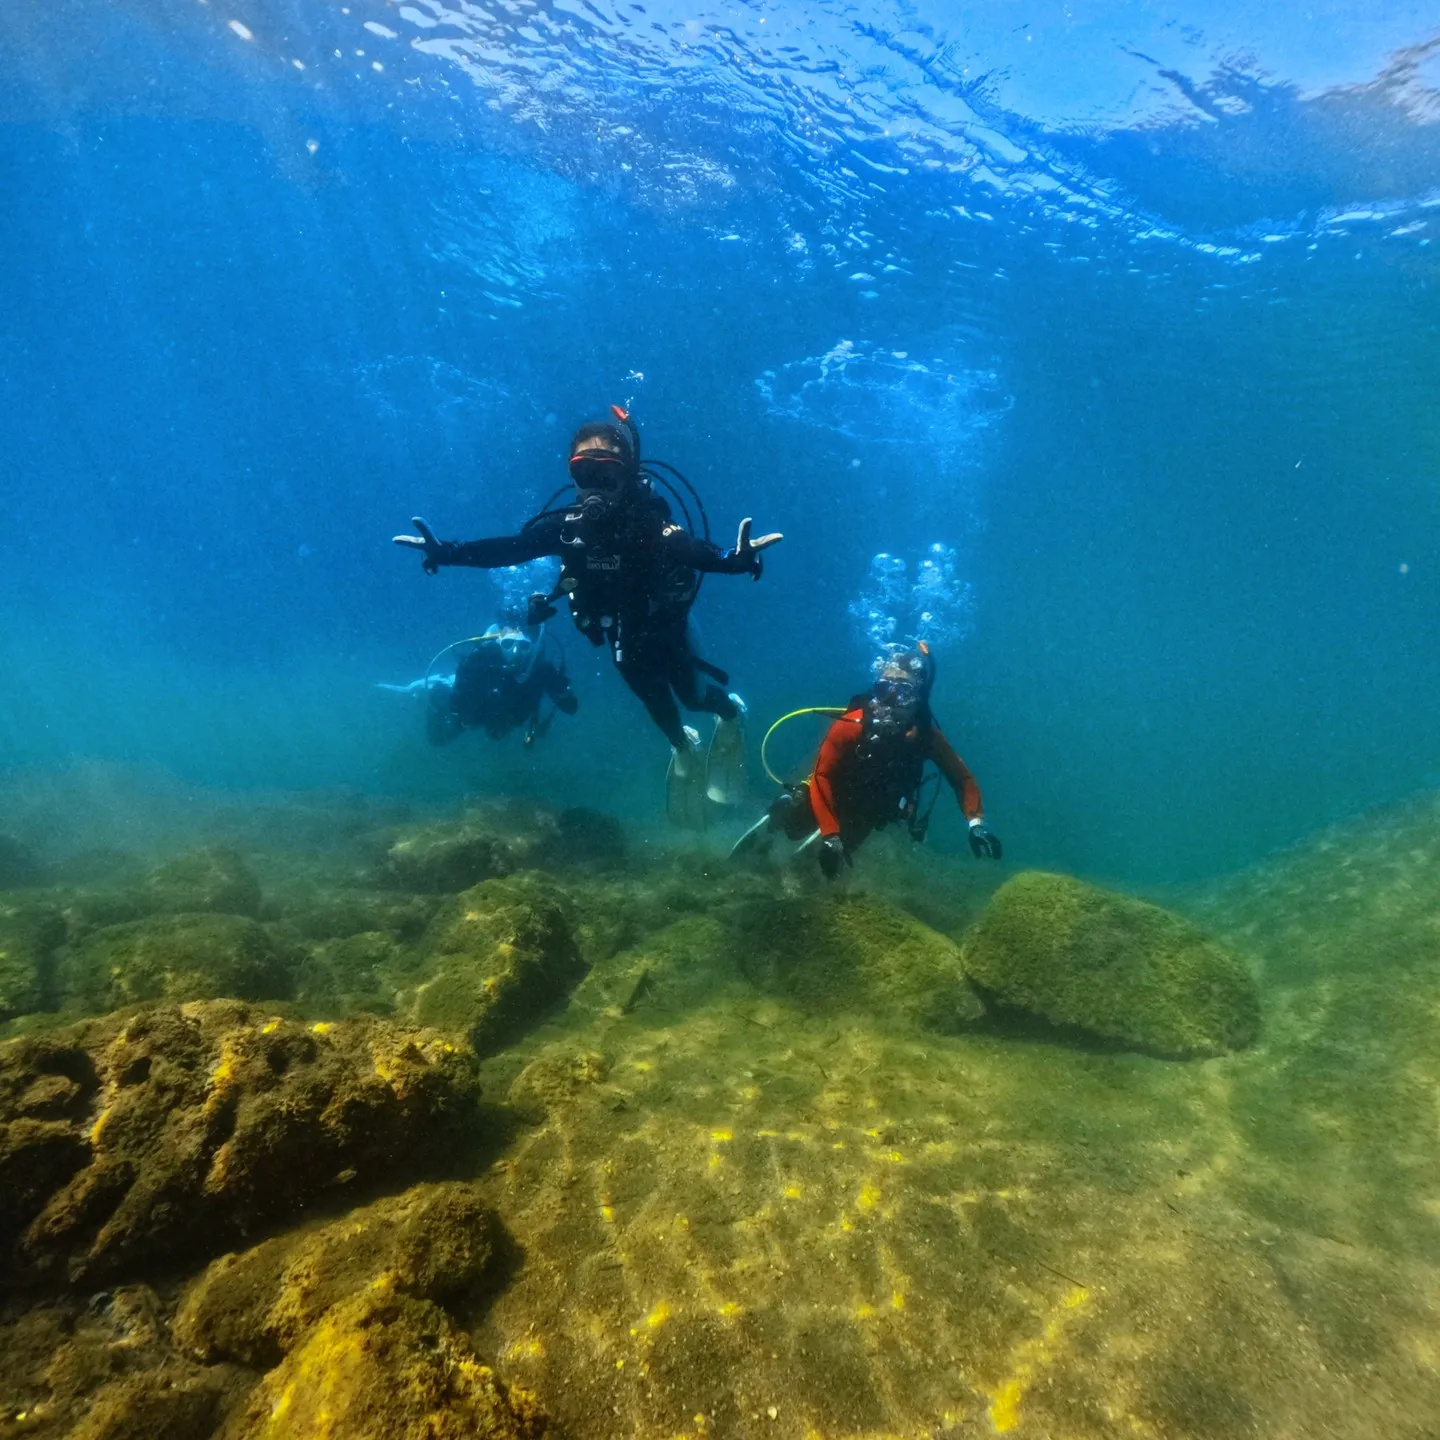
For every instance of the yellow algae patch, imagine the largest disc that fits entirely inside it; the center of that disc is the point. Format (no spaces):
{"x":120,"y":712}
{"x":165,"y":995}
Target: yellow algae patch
{"x":270,"y":1027}
{"x":531,"y":1349}
{"x":321,"y":1027}
{"x":868,"y":1198}
{"x":607,"y":1212}
{"x":1030,"y":1357}
{"x":792,"y":1192}
{"x":658,"y":1316}
{"x":767,"y":1134}
{"x":864,"y":1312}
{"x":728,"y":1308}
{"x":641,"y":1065}
{"x":897,"y":1300}
{"x":721,"y":1136}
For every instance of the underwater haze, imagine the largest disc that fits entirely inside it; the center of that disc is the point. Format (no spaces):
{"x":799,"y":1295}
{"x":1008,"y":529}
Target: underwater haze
{"x":1133,"y":309}
{"x":361,"y":1079}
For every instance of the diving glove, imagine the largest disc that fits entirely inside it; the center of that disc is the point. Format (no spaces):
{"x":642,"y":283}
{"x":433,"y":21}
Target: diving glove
{"x":747,"y":551}
{"x":433,"y":553}
{"x":831,"y":852}
{"x":984,"y":844}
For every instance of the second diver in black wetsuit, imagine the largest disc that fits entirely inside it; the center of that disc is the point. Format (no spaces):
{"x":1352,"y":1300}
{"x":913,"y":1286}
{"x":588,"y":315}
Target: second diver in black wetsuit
{"x":499,"y":686}
{"x":631,"y":574}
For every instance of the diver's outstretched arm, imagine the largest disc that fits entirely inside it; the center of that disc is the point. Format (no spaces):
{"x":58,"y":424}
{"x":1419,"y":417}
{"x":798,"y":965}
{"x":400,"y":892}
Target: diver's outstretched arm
{"x":701,"y":555}
{"x":530,"y":544}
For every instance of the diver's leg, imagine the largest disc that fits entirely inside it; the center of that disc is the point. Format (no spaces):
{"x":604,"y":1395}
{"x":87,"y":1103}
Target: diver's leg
{"x":652,"y":688}
{"x":725,"y":781}
{"x":695,"y":690}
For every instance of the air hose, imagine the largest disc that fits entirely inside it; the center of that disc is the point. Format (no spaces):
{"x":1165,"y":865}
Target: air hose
{"x":807,"y":710}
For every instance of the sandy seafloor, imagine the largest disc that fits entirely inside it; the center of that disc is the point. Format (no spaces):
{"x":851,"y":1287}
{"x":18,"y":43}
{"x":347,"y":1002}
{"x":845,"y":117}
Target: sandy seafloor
{"x":733,"y":1215}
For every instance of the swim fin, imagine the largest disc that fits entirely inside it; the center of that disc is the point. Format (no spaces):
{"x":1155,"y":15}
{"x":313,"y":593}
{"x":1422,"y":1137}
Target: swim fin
{"x":756,"y":840}
{"x":685,"y":784}
{"x":725,"y":764}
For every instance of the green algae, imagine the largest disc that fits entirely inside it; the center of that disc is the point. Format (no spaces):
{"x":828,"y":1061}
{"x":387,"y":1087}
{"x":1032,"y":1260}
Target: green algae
{"x":215,"y":880}
{"x":30,"y":934}
{"x":175,"y":957}
{"x":501,"y":954}
{"x":855,"y":952}
{"x":382,"y":1365}
{"x":1115,"y":967}
{"x":762,"y":1189}
{"x":434,"y":1242}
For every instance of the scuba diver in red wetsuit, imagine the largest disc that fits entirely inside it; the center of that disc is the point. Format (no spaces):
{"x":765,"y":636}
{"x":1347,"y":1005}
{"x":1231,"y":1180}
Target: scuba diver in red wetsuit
{"x":869,"y":773}
{"x":631,"y":574}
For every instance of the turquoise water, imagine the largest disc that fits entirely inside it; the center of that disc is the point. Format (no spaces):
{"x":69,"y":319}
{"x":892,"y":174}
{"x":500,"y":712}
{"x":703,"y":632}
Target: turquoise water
{"x":1134,"y":311}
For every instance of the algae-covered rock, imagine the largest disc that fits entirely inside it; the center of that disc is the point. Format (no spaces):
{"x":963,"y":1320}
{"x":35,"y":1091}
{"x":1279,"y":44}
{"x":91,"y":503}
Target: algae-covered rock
{"x":432,"y":1242}
{"x":503,"y":953}
{"x":29,"y":936}
{"x":154,"y":1406}
{"x":106,"y":1369}
{"x":352,"y":976}
{"x":385,"y":1366}
{"x":163,"y":1136}
{"x":1122,"y":970}
{"x":578,"y":837}
{"x":446,"y":857}
{"x":215,"y":880}
{"x":175,"y":957}
{"x":336,"y":914}
{"x":672,"y":969}
{"x":855,"y":953}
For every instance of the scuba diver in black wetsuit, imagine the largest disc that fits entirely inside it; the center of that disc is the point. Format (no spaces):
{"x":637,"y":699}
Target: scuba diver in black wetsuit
{"x":499,"y":686}
{"x":631,"y":574}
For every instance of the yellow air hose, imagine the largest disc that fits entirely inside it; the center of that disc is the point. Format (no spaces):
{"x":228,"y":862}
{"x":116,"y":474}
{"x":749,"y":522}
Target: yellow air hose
{"x":808,"y":710}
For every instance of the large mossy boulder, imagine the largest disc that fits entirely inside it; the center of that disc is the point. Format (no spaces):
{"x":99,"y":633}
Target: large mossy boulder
{"x":1116,"y":968}
{"x":446,"y":857}
{"x":159,"y":1137}
{"x":432,"y":1242}
{"x":30,"y":934}
{"x":353,"y":976}
{"x":835,"y":952}
{"x":214,"y":880}
{"x":383,"y":1365}
{"x":175,"y":957}
{"x":499,"y":956}
{"x":336,"y":914}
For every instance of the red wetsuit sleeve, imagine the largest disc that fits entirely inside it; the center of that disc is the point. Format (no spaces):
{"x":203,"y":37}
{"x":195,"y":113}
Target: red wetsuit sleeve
{"x":957,"y":772}
{"x":841,"y":738}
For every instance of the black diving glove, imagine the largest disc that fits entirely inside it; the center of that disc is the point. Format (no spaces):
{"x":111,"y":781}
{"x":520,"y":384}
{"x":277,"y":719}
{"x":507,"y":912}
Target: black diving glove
{"x":747,"y":551}
{"x":433,"y":553}
{"x":984,"y":844}
{"x":832,"y":856}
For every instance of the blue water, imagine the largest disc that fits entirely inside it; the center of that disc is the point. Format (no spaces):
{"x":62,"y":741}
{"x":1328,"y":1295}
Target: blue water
{"x":1135,"y":310}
